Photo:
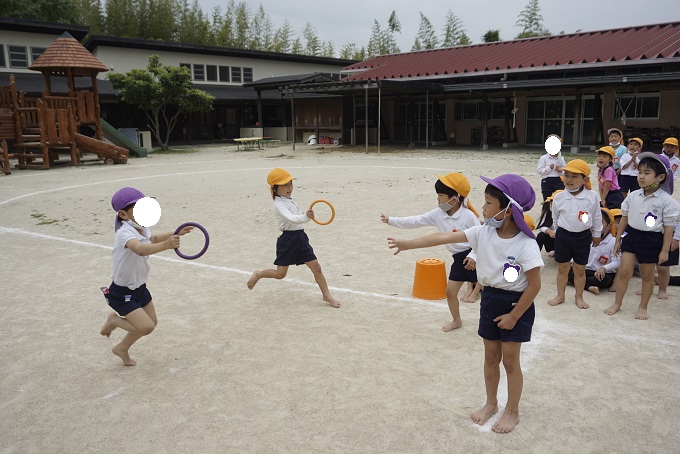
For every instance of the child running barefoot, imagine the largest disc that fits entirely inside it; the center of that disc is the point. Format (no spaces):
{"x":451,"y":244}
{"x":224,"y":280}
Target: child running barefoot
{"x":292,"y":247}
{"x":454,"y":214}
{"x":646,"y":229}
{"x":128,"y":295}
{"x":575,"y":211}
{"x":509,"y":267}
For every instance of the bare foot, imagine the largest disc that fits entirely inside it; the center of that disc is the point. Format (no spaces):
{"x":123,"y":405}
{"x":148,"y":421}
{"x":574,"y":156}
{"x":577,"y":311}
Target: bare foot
{"x":506,"y":423}
{"x":613,"y":309}
{"x":474,"y":296}
{"x":466,"y":298}
{"x":123,"y":354}
{"x":108,"y":326}
{"x":451,"y":326}
{"x":482,"y":415}
{"x":580,"y":303}
{"x":612,"y":289}
{"x":594,"y":290}
{"x":638,"y":292}
{"x":662,"y":295}
{"x":641,"y":314}
{"x":332,"y":301}
{"x":557,"y":300}
{"x":551,"y":254}
{"x":253,"y":279}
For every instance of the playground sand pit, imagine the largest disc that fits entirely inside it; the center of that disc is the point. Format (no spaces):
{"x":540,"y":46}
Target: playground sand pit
{"x":276,"y":369}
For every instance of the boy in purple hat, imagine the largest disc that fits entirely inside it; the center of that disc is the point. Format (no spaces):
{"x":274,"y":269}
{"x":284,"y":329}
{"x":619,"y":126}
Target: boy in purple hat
{"x":509,"y":267}
{"x":646,"y":229}
{"x":127,"y":294}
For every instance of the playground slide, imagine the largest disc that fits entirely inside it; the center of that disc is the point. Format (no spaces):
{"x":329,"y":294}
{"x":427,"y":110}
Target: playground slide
{"x":110,"y":153}
{"x":113,"y":135}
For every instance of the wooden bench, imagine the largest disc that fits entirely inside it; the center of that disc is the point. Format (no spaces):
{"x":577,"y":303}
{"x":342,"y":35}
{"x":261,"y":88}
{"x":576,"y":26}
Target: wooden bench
{"x":4,"y":158}
{"x":248,"y":143}
{"x":270,"y":142}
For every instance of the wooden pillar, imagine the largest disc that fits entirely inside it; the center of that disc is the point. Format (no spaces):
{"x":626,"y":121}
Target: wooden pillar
{"x":48,"y":84}
{"x":598,"y":127}
{"x":292,"y":114}
{"x":485,"y":145}
{"x":71,"y":82}
{"x":259,"y":109}
{"x":366,"y":116}
{"x":97,"y":107}
{"x":427,"y":119}
{"x":379,"y":125}
{"x":576,"y":141}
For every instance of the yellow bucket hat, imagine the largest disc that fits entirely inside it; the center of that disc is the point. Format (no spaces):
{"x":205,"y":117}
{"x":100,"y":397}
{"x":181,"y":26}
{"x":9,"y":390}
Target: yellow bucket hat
{"x":552,"y":196}
{"x":616,"y":212}
{"x":607,"y":149}
{"x":530,"y":222}
{"x":461,"y":185}
{"x":671,"y":141}
{"x":636,"y":139}
{"x":610,"y":216}
{"x":582,"y":167}
{"x":277,"y":177}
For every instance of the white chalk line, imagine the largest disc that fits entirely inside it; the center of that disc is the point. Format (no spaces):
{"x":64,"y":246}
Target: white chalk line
{"x":368,"y":295}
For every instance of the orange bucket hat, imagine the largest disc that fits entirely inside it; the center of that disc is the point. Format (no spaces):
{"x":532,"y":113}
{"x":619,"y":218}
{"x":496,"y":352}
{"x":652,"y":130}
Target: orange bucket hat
{"x":610,"y":216}
{"x":582,"y":167}
{"x":607,"y":149}
{"x":277,"y":177}
{"x":461,"y":185}
{"x":530,"y":221}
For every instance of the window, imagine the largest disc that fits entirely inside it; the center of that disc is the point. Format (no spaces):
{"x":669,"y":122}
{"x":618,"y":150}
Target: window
{"x":247,"y":74}
{"x":2,"y":56}
{"x":641,"y":106}
{"x":224,"y":74}
{"x":472,"y":110}
{"x":211,"y":73}
{"x":236,"y":74}
{"x":18,"y":57}
{"x":199,"y":72}
{"x":36,"y":52}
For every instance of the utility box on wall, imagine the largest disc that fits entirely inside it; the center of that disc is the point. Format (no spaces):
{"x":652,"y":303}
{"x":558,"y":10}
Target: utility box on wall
{"x":144,"y":140}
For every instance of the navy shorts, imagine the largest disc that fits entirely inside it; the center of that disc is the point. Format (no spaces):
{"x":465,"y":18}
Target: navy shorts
{"x":496,"y":302}
{"x":673,"y":258}
{"x":124,"y":300}
{"x":614,"y":199}
{"x":458,"y":271}
{"x":628,"y":183}
{"x":550,"y":185}
{"x":293,"y":248}
{"x":572,"y":245}
{"x":645,"y":245}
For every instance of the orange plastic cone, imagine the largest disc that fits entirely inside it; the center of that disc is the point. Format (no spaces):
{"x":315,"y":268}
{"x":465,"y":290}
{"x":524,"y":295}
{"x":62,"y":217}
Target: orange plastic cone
{"x":429,"y":282}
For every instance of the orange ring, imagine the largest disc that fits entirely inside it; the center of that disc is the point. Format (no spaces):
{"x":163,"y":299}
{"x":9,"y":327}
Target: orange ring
{"x":332,"y":211}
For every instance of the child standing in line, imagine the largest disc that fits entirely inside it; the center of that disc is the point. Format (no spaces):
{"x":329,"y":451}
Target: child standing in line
{"x":292,"y":247}
{"x":610,"y":192}
{"x":616,"y":142}
{"x":509,"y":267}
{"x":550,"y":168}
{"x":128,"y":295}
{"x":602,"y":262}
{"x":546,"y":236}
{"x":616,"y":212}
{"x":670,"y":150}
{"x":575,"y":211}
{"x":629,"y":167}
{"x":455,"y":214}
{"x":646,"y":229}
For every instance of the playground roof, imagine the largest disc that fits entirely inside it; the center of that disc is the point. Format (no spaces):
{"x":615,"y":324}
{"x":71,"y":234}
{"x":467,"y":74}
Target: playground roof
{"x":649,"y":44}
{"x":66,"y":52}
{"x":34,"y":84}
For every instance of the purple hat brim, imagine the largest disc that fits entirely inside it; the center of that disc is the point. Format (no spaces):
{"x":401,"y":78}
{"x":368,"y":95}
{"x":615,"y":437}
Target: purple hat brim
{"x":667,"y":184}
{"x":517,"y":211}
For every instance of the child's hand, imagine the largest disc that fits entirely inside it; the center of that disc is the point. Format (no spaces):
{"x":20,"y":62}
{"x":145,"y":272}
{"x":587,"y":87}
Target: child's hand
{"x":172,"y":242}
{"x":617,"y":247}
{"x":186,"y":230}
{"x":596,"y":241}
{"x":310,"y":214}
{"x":385,"y":219}
{"x":674,"y":245}
{"x":552,"y":166}
{"x":600,"y":273}
{"x":550,"y":232}
{"x":663,"y":257}
{"x":399,"y":245}
{"x":505,"y":321}
{"x":469,"y":263}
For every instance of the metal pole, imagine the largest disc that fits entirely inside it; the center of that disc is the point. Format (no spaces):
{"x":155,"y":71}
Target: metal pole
{"x":379,"y":90}
{"x":366,"y":117}
{"x":427,"y":119}
{"x":353,"y":139}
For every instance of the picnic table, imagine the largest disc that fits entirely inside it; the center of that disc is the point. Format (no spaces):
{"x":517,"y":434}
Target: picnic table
{"x":248,"y":143}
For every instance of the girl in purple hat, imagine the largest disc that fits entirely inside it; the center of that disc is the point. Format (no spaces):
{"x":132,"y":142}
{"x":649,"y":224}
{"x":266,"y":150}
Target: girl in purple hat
{"x":127,"y":294}
{"x":509,"y":267}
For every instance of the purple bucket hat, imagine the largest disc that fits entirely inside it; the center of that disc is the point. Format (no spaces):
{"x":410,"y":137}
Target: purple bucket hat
{"x":667,"y":184}
{"x":122,"y":198}
{"x":521,"y":195}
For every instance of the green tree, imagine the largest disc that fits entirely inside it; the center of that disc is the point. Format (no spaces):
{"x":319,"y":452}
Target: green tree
{"x":426,"y":38}
{"x":296,"y":48}
{"x":283,"y":38}
{"x":453,"y":31}
{"x":531,"y":21}
{"x":375,"y":45}
{"x":464,"y":39}
{"x":89,"y":12}
{"x":350,"y":51}
{"x":491,"y":36}
{"x":328,"y":50}
{"x":45,"y":10}
{"x":121,"y":18}
{"x":312,"y":43}
{"x":157,"y":88}
{"x":163,"y":19}
{"x":225,"y":35}
{"x":240,"y":25}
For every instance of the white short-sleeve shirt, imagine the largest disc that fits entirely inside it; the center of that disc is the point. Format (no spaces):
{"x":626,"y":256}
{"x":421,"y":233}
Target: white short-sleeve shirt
{"x":129,"y":269}
{"x":650,"y":213}
{"x":494,"y":253}
{"x":569,"y":212}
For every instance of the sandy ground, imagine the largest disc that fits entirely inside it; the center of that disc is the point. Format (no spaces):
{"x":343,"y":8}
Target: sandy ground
{"x":276,"y":369}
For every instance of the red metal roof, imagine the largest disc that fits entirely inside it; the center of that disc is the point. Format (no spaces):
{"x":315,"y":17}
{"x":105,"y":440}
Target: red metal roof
{"x":649,"y":42}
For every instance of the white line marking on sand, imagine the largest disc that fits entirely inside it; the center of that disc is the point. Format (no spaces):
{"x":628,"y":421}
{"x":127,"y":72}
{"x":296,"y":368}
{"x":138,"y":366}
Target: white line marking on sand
{"x":115,"y":393}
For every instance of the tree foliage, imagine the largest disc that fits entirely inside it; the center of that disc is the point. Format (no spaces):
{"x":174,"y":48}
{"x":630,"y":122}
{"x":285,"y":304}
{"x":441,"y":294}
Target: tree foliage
{"x":531,"y":21}
{"x":158,"y":88}
{"x":426,"y":37}
{"x":491,"y":36}
{"x":454,"y":31}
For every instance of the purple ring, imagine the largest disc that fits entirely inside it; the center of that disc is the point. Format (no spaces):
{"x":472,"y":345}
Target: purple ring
{"x":205,"y":246}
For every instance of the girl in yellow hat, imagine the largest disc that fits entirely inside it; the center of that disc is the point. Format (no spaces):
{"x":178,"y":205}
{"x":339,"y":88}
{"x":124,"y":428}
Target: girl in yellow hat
{"x":607,"y":180}
{"x":454,"y":214}
{"x":292,"y":247}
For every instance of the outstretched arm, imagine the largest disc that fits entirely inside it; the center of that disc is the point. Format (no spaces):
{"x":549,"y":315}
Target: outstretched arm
{"x":433,"y":239}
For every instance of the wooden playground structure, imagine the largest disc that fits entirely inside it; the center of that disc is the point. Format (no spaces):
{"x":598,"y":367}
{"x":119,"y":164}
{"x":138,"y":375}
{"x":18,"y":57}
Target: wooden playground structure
{"x":35,"y":131}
